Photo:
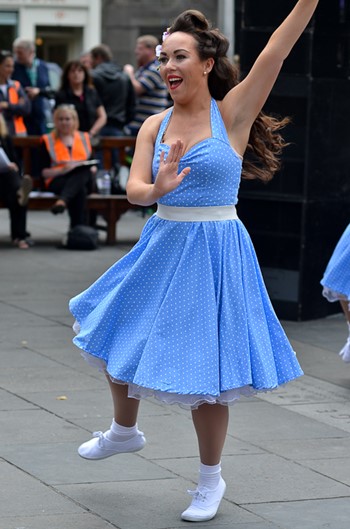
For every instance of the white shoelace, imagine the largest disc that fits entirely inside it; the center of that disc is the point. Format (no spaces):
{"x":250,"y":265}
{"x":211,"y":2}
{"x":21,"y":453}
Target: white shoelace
{"x":198,"y":495}
{"x":101,"y":438}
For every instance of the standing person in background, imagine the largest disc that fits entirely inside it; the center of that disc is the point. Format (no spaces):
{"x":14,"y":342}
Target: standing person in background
{"x":14,"y":190}
{"x":76,"y":89}
{"x":150,"y":89}
{"x":336,"y":283}
{"x":62,"y":152}
{"x":86,"y":60}
{"x":185,"y":315}
{"x":116,"y":92}
{"x":34,"y":76}
{"x":14,"y":103}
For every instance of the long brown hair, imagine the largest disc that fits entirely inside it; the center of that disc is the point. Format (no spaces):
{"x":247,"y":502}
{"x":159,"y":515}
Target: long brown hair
{"x":265,"y":144}
{"x":70,"y":66}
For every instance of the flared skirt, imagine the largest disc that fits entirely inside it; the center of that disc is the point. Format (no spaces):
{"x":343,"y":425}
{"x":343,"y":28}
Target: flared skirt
{"x":185,"y":316}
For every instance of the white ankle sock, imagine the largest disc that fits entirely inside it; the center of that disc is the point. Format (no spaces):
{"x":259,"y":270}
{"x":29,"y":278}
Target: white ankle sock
{"x":117,"y":432}
{"x":209,"y":476}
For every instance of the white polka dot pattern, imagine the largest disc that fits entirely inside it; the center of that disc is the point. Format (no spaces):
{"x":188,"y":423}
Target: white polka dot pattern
{"x":186,"y":312}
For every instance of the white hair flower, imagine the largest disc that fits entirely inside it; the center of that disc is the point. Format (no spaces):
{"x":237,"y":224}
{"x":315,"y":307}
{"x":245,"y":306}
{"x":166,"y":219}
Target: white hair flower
{"x":159,"y":47}
{"x":158,"y":50}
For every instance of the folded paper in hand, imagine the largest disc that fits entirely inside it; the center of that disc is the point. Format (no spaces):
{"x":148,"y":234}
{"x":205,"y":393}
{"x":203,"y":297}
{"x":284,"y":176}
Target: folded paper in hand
{"x":4,"y":161}
{"x":82,"y":163}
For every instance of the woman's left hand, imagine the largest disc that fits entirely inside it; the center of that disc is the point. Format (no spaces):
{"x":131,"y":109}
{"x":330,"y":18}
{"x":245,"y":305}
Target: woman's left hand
{"x":168,"y":178}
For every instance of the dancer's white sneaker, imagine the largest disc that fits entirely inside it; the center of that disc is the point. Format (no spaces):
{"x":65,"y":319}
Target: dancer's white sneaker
{"x":101,"y":447}
{"x":205,"y":503}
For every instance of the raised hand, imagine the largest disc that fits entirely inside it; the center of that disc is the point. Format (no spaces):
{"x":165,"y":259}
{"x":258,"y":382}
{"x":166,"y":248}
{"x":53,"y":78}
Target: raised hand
{"x":168,"y":178}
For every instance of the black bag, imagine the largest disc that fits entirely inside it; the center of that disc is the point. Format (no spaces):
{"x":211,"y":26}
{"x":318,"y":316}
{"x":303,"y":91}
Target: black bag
{"x":82,"y":238}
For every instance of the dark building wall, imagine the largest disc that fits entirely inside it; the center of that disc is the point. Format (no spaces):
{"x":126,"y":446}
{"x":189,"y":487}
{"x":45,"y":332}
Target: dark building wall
{"x":296,"y":220}
{"x":124,"y":20}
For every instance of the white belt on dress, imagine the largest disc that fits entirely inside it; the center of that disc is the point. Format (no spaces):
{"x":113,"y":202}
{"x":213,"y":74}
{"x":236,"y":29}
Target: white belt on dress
{"x":200,"y":214}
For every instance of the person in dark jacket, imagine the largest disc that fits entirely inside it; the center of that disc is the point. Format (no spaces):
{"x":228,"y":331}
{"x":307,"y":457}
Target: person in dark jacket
{"x":33,"y":74}
{"x":115,"y":90}
{"x":117,"y":95}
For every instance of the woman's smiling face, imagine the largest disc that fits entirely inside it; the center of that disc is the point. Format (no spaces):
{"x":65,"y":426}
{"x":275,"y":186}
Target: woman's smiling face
{"x":180,"y":66}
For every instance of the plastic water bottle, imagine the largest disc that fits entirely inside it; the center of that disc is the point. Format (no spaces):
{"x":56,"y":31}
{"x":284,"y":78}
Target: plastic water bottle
{"x":104,"y":184}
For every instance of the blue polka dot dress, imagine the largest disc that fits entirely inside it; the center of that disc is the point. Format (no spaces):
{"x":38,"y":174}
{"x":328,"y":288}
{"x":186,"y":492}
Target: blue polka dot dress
{"x":185,"y":315}
{"x":336,"y":279}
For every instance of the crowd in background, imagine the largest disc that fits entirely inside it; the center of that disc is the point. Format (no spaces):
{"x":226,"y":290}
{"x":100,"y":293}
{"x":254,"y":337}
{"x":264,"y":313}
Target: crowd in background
{"x":92,"y":96}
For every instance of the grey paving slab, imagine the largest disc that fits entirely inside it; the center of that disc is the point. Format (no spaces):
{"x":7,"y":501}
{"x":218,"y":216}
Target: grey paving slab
{"x":313,"y":332}
{"x":19,"y":357}
{"x":153,"y":504}
{"x":15,"y":316}
{"x":335,"y":414}
{"x":51,"y":338}
{"x":73,"y":404}
{"x":318,"y":514}
{"x":46,"y":308}
{"x":230,"y":523}
{"x":335,"y":468}
{"x":56,"y":378}
{"x":58,"y":521}
{"x":298,"y":450}
{"x":10,"y":402}
{"x":25,"y":495}
{"x":59,"y":463}
{"x":57,"y":347}
{"x":260,"y":478}
{"x":322,"y":363}
{"x":306,"y":390}
{"x":262,"y":421}
{"x":35,"y":426}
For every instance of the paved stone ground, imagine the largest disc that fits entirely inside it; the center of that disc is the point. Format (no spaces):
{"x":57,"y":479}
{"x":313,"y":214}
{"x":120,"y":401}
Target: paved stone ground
{"x":286,"y":460}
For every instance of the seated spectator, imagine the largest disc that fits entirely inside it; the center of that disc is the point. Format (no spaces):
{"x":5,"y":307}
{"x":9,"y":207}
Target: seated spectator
{"x":151,"y":91}
{"x":77,"y":89}
{"x":62,"y":152}
{"x":14,"y":190}
{"x":14,"y":103}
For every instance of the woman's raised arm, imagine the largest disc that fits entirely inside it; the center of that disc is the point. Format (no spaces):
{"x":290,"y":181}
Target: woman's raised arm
{"x":243,"y":103}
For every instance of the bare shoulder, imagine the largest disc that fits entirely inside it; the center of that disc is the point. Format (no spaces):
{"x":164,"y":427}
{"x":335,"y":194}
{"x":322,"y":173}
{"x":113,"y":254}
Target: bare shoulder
{"x":151,"y":125}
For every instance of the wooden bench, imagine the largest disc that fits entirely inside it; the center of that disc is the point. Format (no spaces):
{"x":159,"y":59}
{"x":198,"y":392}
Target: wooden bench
{"x":110,"y":207}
